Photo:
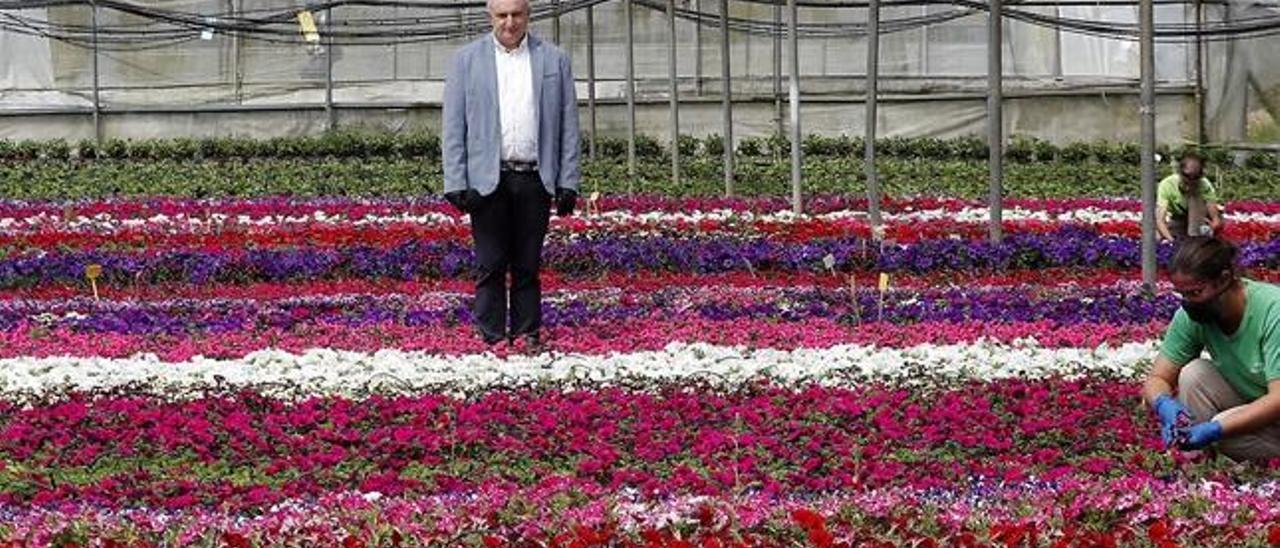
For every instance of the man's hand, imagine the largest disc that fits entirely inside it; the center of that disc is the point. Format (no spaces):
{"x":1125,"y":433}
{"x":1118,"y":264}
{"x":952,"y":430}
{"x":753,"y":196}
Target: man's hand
{"x":1199,"y":436}
{"x":1171,"y":411}
{"x":566,"y":200}
{"x":464,"y":200}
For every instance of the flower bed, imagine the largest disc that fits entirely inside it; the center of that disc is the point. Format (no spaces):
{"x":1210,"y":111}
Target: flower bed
{"x":716,"y":373}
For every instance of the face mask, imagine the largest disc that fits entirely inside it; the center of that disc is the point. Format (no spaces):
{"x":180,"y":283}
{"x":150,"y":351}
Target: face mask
{"x":1205,"y":312}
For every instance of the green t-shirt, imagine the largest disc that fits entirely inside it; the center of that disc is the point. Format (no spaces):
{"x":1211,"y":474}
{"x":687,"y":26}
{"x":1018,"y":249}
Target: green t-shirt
{"x":1169,"y":194}
{"x":1249,"y":358}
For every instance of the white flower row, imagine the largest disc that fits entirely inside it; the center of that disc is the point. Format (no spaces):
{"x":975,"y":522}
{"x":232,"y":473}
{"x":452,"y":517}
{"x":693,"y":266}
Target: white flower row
{"x":105,"y":222}
{"x":327,"y":371}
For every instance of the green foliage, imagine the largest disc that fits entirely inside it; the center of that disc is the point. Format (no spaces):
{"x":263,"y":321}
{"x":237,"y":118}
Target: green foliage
{"x":1076,"y":153}
{"x":359,"y":164}
{"x":751,"y":147}
{"x":701,"y":176}
{"x":1262,"y":160}
{"x":688,"y":145}
{"x":713,"y":146}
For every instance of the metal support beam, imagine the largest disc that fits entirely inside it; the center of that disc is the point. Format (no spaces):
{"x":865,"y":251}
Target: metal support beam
{"x":1147,"y":54}
{"x":777,"y":69}
{"x":869,"y":138}
{"x":995,"y":117}
{"x":1201,"y":133}
{"x":97,"y":99}
{"x":924,"y":40}
{"x":797,"y":204}
{"x":631,"y":97}
{"x":238,"y":45}
{"x":673,"y":91}
{"x":331,"y":115}
{"x":591,"y":80}
{"x":726,"y":97}
{"x":697,"y":51}
{"x":555,"y":23}
{"x":1057,"y":45}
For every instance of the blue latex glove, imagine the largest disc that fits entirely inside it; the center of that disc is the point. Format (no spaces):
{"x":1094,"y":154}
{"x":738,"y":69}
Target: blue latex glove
{"x":1199,"y":436}
{"x":1170,"y":411}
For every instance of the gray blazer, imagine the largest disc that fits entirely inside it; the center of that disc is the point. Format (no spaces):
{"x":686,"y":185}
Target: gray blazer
{"x":472,"y":145}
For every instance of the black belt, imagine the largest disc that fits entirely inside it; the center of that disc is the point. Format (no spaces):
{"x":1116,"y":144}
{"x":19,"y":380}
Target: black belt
{"x":519,"y":166}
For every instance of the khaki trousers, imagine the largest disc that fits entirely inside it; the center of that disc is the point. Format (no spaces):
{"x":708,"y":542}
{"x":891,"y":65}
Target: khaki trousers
{"x":1208,"y":396}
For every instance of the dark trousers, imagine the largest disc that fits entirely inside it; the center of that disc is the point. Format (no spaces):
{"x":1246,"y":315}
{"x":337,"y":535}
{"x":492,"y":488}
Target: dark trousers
{"x":509,"y":227}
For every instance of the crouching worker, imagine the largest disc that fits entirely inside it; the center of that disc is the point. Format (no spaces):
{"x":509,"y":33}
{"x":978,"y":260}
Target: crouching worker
{"x":1230,"y":402}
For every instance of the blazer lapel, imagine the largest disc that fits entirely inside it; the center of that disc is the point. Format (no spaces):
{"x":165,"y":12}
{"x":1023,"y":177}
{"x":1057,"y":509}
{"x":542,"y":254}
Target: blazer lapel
{"x":489,"y":73}
{"x":536,"y":60}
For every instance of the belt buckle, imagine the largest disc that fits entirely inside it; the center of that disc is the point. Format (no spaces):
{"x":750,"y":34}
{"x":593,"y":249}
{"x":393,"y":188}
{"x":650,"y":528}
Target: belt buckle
{"x":519,"y":166}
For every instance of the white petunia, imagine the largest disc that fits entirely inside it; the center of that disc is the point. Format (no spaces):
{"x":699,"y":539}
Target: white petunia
{"x":329,"y":371}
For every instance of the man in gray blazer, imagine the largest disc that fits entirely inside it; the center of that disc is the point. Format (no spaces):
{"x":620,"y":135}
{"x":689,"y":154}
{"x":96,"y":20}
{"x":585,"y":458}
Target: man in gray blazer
{"x":510,"y":147}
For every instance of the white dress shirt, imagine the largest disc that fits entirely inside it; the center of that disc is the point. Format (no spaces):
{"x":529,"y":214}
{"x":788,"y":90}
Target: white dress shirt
{"x":516,"y":110}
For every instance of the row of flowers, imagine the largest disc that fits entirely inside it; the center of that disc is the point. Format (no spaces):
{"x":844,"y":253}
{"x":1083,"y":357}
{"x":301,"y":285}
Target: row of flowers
{"x":595,"y":337}
{"x":244,"y":450}
{"x":639,"y":283}
{"x":384,"y":236}
{"x":329,"y":371}
{"x":1120,"y":305}
{"x":357,"y":208}
{"x":1067,"y":513}
{"x":591,"y":219}
{"x":1065,"y":247}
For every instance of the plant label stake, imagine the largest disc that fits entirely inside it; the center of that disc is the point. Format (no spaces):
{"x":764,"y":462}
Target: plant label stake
{"x":884,"y":286}
{"x":592,"y":208}
{"x":92,"y":272}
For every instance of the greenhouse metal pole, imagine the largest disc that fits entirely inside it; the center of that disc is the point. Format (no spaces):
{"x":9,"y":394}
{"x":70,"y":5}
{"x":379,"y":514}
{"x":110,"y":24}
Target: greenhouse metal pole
{"x":1146,"y":21}
{"x":1201,"y":134}
{"x":395,"y":51}
{"x":1057,"y":45}
{"x":995,"y":116}
{"x":97,"y":100}
{"x":328,"y":73}
{"x":726,"y":97}
{"x":697,"y":48}
{"x":793,"y":39}
{"x":777,"y":69}
{"x":673,"y":91}
{"x":869,"y":137}
{"x":924,"y":40}
{"x":555,"y":23}
{"x":631,"y":97}
{"x":238,"y":11}
{"x":591,"y":80}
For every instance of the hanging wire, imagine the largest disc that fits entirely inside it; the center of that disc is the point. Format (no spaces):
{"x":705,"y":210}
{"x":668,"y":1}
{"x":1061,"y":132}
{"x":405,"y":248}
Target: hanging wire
{"x":167,"y":27}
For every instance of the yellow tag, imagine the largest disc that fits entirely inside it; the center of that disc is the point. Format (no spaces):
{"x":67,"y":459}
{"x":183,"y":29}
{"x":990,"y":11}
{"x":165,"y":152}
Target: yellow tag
{"x":884,"y":282}
{"x":308,"y":24}
{"x":93,"y":271}
{"x":595,"y":195}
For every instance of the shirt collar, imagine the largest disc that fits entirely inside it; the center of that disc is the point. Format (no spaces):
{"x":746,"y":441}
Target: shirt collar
{"x":524,"y":44}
